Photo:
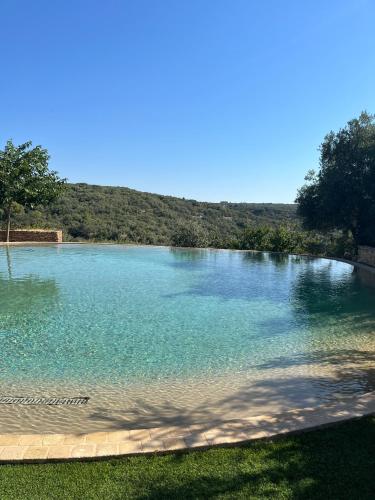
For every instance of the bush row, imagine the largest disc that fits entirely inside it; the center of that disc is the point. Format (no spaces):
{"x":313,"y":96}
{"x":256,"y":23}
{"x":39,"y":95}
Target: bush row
{"x":288,"y":239}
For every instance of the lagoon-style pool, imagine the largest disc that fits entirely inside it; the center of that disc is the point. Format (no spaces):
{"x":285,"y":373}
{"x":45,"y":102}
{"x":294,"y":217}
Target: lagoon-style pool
{"x":156,"y":335}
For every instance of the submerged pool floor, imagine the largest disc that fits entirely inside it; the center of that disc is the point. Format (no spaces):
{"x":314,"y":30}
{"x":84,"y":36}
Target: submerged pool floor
{"x":157,"y":336}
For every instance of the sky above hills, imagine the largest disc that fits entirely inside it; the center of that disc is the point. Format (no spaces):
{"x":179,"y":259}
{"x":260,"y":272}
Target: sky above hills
{"x":207,"y":99}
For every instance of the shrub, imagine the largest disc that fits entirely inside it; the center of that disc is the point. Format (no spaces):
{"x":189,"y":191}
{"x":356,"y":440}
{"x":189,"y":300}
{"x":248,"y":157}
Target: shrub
{"x":189,"y":235}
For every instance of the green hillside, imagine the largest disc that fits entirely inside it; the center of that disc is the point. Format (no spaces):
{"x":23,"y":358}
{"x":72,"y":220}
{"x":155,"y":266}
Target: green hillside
{"x":88,"y":212}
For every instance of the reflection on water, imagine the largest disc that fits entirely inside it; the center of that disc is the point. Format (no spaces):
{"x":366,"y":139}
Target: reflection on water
{"x":277,"y":259}
{"x":9,"y":261}
{"x":23,"y":293}
{"x":26,"y":294}
{"x":233,"y":275}
{"x":320,"y":293}
{"x":187,"y":254}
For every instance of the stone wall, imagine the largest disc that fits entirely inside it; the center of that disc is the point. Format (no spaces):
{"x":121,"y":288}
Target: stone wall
{"x":32,"y":235}
{"x":366,"y":255}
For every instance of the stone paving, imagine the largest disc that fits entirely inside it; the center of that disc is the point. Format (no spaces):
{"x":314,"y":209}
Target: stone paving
{"x":50,"y":447}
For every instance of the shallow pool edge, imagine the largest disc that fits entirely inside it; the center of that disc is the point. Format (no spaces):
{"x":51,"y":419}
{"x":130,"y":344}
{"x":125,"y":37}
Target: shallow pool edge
{"x":40,"y":448}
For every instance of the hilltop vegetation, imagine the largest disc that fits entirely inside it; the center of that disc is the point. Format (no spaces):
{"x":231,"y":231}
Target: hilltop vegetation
{"x":122,"y":215}
{"x":104,"y":213}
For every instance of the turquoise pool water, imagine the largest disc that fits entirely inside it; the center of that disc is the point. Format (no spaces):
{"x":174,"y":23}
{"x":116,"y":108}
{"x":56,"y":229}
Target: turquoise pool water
{"x":121,"y":316}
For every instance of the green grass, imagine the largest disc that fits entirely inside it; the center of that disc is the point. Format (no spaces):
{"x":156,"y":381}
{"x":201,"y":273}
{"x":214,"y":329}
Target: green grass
{"x":334,"y":463}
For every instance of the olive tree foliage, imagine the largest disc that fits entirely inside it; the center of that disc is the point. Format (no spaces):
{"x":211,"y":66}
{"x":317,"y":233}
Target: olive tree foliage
{"x":25,"y":179}
{"x":341,"y":195}
{"x":273,"y":239}
{"x":189,"y":235}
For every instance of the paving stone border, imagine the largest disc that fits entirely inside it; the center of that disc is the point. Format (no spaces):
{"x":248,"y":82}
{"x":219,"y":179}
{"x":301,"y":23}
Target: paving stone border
{"x":61,"y":447}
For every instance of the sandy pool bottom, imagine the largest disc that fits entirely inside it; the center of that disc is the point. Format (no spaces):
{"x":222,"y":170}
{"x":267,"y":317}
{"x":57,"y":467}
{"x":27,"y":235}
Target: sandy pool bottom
{"x":191,"y":401}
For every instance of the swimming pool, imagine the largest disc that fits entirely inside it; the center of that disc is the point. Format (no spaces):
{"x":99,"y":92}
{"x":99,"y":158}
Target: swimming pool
{"x":156,"y":335}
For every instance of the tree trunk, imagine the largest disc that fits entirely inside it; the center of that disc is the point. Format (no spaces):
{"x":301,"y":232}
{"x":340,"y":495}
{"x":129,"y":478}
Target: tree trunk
{"x":356,"y":237}
{"x":8,"y":224}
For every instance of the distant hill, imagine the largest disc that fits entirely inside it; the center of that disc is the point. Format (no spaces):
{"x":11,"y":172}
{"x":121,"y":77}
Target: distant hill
{"x":89,"y":212}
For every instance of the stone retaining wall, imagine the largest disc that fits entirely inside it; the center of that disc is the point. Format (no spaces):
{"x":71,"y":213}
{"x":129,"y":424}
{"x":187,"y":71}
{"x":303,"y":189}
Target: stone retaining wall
{"x":366,"y":255}
{"x":32,"y":235}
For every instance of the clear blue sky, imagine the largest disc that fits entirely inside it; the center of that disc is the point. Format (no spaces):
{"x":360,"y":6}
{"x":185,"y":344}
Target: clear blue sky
{"x":207,"y":99}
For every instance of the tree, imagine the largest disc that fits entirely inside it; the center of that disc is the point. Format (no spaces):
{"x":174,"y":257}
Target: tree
{"x":274,"y":239}
{"x":256,"y":238}
{"x":341,"y":195}
{"x":188,"y":235}
{"x":25,"y":179}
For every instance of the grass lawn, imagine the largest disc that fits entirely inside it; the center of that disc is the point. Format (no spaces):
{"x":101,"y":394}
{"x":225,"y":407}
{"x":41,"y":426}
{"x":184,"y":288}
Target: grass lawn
{"x":334,"y":463}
